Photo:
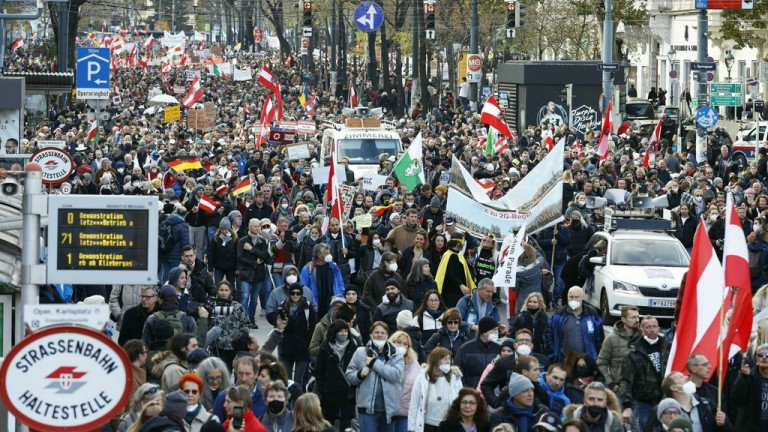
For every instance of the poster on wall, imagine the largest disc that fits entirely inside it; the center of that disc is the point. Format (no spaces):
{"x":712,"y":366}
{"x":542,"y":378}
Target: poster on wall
{"x":10,"y":122}
{"x":553,"y":114}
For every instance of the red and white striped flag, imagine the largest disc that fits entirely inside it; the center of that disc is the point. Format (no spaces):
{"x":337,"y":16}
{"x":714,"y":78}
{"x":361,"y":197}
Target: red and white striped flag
{"x":116,"y":99}
{"x":93,"y":131}
{"x":493,"y":116}
{"x":352,"y":95}
{"x":605,"y":134}
{"x":133,"y":58}
{"x":311,"y":104}
{"x":207,"y":204}
{"x":653,"y":144}
{"x":117,"y":45}
{"x":149,"y":42}
{"x":18,"y":43}
{"x":195,"y":93}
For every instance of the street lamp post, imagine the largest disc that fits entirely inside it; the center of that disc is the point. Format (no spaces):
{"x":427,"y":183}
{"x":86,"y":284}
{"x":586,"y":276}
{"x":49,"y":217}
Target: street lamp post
{"x":729,"y":63}
{"x":671,"y":55}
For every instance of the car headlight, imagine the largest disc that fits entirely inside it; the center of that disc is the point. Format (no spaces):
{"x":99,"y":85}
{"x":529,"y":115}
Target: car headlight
{"x":626,"y":288}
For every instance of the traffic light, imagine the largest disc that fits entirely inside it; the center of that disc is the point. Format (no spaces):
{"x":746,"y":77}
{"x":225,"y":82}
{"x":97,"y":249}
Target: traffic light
{"x":429,"y":20}
{"x":519,"y":14}
{"x":511,"y":15}
{"x":307,"y":14}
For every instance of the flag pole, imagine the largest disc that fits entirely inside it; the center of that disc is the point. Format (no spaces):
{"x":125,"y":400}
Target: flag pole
{"x":720,"y":357}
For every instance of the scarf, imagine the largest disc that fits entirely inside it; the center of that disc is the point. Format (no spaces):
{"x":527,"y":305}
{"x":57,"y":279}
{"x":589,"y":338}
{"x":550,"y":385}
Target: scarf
{"x":525,"y":415}
{"x":435,"y":313}
{"x":226,"y":237}
{"x":340,"y":348}
{"x":192,"y":414}
{"x":443,"y":267}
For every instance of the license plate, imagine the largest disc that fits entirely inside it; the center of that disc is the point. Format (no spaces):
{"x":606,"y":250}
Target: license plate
{"x":661,"y":303}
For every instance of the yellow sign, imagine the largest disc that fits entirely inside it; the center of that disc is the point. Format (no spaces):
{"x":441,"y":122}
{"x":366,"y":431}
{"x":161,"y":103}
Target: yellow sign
{"x":462,"y":68}
{"x":172,"y":114}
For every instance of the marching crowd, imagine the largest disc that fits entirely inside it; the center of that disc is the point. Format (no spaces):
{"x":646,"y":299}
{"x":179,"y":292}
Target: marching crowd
{"x":394,"y":326}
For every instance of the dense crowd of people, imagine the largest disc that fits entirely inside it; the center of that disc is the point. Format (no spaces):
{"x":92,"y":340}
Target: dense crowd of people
{"x":396,"y":326}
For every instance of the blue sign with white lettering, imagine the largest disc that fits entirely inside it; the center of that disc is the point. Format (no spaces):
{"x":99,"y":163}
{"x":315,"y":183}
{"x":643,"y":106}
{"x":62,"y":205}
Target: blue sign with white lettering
{"x":706,"y":117}
{"x":369,"y":16}
{"x":485,"y":91}
{"x":92,"y":73}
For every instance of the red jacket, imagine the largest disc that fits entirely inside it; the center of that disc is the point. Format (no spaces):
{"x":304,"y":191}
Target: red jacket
{"x":252,"y":424}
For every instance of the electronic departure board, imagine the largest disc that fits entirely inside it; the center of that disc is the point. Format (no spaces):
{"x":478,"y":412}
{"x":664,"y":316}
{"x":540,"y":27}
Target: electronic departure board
{"x":102,"y":239}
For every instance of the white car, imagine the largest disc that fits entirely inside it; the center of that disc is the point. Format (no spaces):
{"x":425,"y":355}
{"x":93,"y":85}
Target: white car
{"x":641,"y":268}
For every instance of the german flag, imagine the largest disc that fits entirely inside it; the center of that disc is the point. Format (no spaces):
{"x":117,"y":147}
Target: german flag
{"x":184,"y":163}
{"x":380,"y":210}
{"x":242,"y":187}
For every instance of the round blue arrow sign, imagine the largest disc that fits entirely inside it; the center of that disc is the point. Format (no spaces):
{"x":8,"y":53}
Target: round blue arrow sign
{"x":706,"y":117}
{"x":369,"y":16}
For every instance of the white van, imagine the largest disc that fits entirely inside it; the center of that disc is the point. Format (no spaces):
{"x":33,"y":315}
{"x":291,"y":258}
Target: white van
{"x":362,"y":141}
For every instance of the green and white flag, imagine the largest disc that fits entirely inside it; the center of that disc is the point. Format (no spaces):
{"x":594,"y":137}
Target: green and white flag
{"x":490,"y":140}
{"x":216,"y":70}
{"x":409,"y":169}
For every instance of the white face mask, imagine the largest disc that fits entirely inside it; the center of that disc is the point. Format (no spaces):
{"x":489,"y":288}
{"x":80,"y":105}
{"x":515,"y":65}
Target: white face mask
{"x":573,"y":304}
{"x":376,"y":242}
{"x":328,"y":258}
{"x":582,"y":203}
{"x":674,"y":190}
{"x":445,"y":368}
{"x":359,"y":203}
{"x":291,"y":279}
{"x":385,"y":299}
{"x":651,"y":341}
{"x":713,"y":217}
{"x":378,"y":343}
{"x":400,"y":350}
{"x":266,"y":231}
{"x":392,"y":267}
{"x":284,"y":205}
{"x":698,"y":198}
{"x":523,"y":350}
{"x":689,"y":388}
{"x":493,"y":337}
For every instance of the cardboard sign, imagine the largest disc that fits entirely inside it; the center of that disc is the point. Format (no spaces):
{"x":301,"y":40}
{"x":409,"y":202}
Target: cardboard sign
{"x":363,"y":221}
{"x":172,"y":114}
{"x":299,"y":151}
{"x":372,"y":181}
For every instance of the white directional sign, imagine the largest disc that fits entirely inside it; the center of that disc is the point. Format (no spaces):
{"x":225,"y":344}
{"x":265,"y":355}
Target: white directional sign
{"x":92,"y":73}
{"x":430,"y":34}
{"x":368,"y":16}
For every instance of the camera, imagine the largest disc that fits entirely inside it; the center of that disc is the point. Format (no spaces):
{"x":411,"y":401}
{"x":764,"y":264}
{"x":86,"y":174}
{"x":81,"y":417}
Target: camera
{"x":10,"y":187}
{"x":281,"y":313}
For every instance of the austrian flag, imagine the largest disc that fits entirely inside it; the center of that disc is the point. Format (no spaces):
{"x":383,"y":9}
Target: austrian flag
{"x":195,"y":93}
{"x":207,"y":204}
{"x":493,"y":116}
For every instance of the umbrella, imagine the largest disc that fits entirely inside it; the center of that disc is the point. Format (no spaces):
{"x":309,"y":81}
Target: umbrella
{"x":162,"y":99}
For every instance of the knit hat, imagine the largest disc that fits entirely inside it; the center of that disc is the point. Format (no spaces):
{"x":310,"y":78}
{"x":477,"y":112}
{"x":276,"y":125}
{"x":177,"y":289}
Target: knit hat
{"x":404,"y":319}
{"x":168,"y":208}
{"x":435,"y":201}
{"x":87,"y":176}
{"x":681,"y":422}
{"x":176,"y":404}
{"x":225,"y":224}
{"x":508,"y":342}
{"x":486,"y":324}
{"x":337,"y":299}
{"x":518,"y":384}
{"x":233,"y":214}
{"x":197,"y":188}
{"x":665,"y":404}
{"x":351,"y":288}
{"x":196,"y":356}
{"x":393,"y":282}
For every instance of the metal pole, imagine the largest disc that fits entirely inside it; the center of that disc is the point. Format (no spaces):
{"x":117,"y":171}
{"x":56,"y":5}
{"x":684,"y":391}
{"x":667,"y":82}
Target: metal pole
{"x":607,"y":52}
{"x":63,"y":36}
{"x":414,"y":53}
{"x":702,"y":94}
{"x":472,"y":50}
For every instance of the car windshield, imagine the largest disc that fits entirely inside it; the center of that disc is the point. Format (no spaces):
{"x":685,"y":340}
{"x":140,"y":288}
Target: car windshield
{"x":366,"y":151}
{"x":649,"y":252}
{"x":639,"y":110}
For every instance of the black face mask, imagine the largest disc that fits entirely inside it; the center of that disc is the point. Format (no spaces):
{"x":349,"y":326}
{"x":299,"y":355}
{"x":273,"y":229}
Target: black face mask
{"x":593,"y":411}
{"x":275,"y":406}
{"x":583,"y":371}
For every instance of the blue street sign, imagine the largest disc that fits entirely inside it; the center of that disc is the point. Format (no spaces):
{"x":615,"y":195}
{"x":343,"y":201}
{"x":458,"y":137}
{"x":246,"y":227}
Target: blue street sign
{"x":485,"y":91}
{"x":92,"y":73}
{"x":608,"y":67}
{"x":703,"y":66}
{"x":369,"y":16}
{"x":706,"y":117}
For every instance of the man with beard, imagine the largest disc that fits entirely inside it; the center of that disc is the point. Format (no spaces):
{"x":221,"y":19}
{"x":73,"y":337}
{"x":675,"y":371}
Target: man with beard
{"x":595,"y":412}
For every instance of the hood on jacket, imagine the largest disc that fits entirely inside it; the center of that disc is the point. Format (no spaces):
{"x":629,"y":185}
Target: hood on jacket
{"x":173,"y":276}
{"x":174,"y":219}
{"x":289,"y":267}
{"x":543,"y":382}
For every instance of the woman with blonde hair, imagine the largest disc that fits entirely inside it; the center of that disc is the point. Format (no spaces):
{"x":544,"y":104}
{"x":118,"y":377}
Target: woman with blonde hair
{"x":146,"y":394}
{"x":437,"y":384}
{"x":150,"y":410}
{"x":532,"y":316}
{"x":308,"y":416}
{"x":402,"y":343}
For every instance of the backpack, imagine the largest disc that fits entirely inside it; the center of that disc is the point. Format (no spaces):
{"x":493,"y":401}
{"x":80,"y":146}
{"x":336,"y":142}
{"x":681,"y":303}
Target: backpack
{"x":755,"y":269}
{"x":173,"y":319}
{"x":165,"y":240}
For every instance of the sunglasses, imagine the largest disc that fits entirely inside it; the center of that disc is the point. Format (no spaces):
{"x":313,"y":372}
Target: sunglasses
{"x":191,"y":391}
{"x":453,"y":322}
{"x":762,"y":355}
{"x":152,"y":390}
{"x":295,"y":293}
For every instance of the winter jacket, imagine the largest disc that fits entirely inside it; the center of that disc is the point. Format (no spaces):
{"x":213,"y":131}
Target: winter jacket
{"x":429,"y":324}
{"x":442,"y":338}
{"x":188,"y":323}
{"x":746,"y":395}
{"x":201,"y":282}
{"x":612,"y":423}
{"x":298,"y":331}
{"x":537,"y":324}
{"x":387,"y":312}
{"x":197,"y":423}
{"x":406,"y":262}
{"x":329,"y":371}
{"x":279,"y":295}
{"x":249,"y":269}
{"x":122,"y":298}
{"x":761,"y":247}
{"x":416,"y":291}
{"x":498,"y":378}
{"x":563,"y":237}
{"x":231,"y":321}
{"x":529,"y":280}
{"x":180,"y":234}
{"x":591,"y":330}
{"x":252,"y":424}
{"x":473,"y":357}
{"x":375,"y":286}
{"x":455,"y":425}
{"x":169,"y":369}
{"x":318,"y":335}
{"x":579,"y":237}
{"x":410,"y":374}
{"x":308,"y":278}
{"x":386,"y":370}
{"x":420,"y":392}
{"x":639,"y":379}
{"x":403,"y":236}
{"x":222,"y":254}
{"x":612,"y":354}
{"x":469,"y":308}
{"x":557,"y":398}
{"x":281,"y":423}
{"x":505,"y":415}
{"x":160,"y":424}
{"x":133,"y":323}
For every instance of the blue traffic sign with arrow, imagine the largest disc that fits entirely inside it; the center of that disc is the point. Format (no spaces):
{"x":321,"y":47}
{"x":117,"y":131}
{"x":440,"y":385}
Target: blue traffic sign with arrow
{"x":92,"y":73}
{"x":369,"y":16}
{"x":706,"y":117}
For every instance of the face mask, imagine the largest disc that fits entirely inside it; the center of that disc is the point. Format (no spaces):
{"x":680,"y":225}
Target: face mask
{"x":378,"y":343}
{"x":276,"y":406}
{"x":573,"y":304}
{"x":493,"y":337}
{"x":595,"y":412}
{"x":376,"y":242}
{"x":674,"y":190}
{"x":341,"y":338}
{"x":266,"y":231}
{"x":359,"y":203}
{"x":445,"y":368}
{"x":689,"y":388}
{"x":582,"y":203}
{"x":583,"y":371}
{"x":399,"y":350}
{"x":120,"y":170}
{"x":284,"y":206}
{"x":698,"y":198}
{"x":523,"y":350}
{"x":328,"y":258}
{"x":651,"y":341}
{"x":290,"y":279}
{"x":713,"y":218}
{"x":314,"y":238}
{"x":392,"y":267}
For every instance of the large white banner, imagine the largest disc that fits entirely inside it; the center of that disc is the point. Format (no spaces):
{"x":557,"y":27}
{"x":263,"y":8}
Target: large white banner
{"x":242,"y":75}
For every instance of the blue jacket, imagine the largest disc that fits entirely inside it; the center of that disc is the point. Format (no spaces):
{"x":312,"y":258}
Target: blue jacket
{"x":258,"y":405}
{"x":308,"y":279}
{"x":180,"y":233}
{"x":591,"y":330}
{"x":761,"y":247}
{"x":557,"y":399}
{"x":468,"y":307}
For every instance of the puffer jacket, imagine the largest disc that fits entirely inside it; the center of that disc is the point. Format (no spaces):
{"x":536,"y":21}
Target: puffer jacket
{"x":418,"y":400}
{"x":442,"y":338}
{"x":591,"y":329}
{"x":278,"y":296}
{"x":639,"y":379}
{"x":537,"y":324}
{"x":386,"y":371}
{"x":410,"y":374}
{"x":180,"y":234}
{"x":473,"y":357}
{"x":387,"y":312}
{"x":612,"y":354}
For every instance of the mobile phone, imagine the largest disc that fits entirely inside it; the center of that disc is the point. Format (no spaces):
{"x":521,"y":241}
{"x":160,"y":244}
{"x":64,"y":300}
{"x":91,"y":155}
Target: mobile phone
{"x":237,"y":417}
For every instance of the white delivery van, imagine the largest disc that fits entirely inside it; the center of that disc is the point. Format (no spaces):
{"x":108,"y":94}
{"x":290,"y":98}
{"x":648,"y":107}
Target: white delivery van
{"x":362,"y":141}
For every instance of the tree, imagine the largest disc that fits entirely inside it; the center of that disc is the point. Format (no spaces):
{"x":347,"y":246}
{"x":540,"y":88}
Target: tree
{"x":741,"y":25}
{"x":74,"y":21}
{"x":276,"y":15}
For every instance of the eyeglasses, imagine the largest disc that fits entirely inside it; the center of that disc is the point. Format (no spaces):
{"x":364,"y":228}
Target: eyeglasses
{"x":453,"y":322}
{"x":762,"y":355}
{"x":214,"y":378}
{"x":433,"y":300}
{"x":152,"y":390}
{"x":295,"y":293}
{"x":671,"y":411}
{"x":191,"y":391}
{"x":524,"y":341}
{"x":147,"y":297}
{"x":469,"y":402}
{"x":144,"y":352}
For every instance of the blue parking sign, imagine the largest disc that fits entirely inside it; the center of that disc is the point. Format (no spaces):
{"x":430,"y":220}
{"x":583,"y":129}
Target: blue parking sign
{"x":92,"y":73}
